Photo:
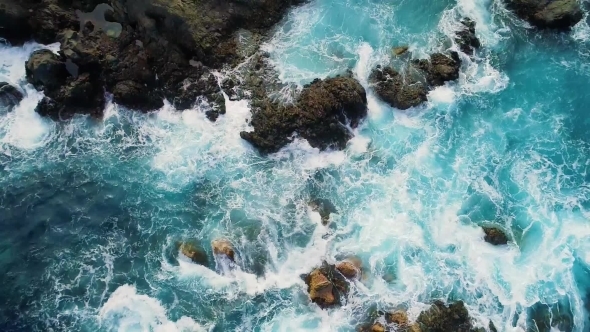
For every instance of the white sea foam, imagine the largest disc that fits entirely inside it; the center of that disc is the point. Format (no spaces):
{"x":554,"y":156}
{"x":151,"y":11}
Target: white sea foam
{"x":127,"y":311}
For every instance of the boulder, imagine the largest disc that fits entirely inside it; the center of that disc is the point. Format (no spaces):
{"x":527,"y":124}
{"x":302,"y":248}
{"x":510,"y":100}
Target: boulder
{"x":136,"y":96}
{"x":9,"y":95}
{"x":350,"y":268}
{"x":325,"y":285}
{"x":320,"y":115}
{"x":495,"y":236}
{"x":442,"y":318}
{"x":14,"y":21}
{"x":195,"y":252}
{"x":548,"y":14}
{"x":397,"y":90}
{"x":394,"y":321}
{"x":466,"y":38}
{"x":398,"y":317}
{"x":440,"y":68}
{"x":223,"y":247}
{"x":80,"y":95}
{"x":45,"y":70}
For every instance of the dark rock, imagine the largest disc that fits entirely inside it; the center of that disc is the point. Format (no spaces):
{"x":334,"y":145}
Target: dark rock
{"x":136,"y":96}
{"x":318,"y":115}
{"x":399,"y":91}
{"x":45,"y":70}
{"x":548,"y":14}
{"x":49,"y":18}
{"x":326,"y":285}
{"x":441,"y":318}
{"x":81,"y":95}
{"x":195,"y":252}
{"x":9,"y":94}
{"x":440,"y":68}
{"x":466,"y":38}
{"x":14,"y":21}
{"x":324,"y":207}
{"x":495,"y":236}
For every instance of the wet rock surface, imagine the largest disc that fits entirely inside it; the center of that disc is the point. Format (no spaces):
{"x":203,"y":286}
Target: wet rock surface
{"x":326,"y":286}
{"x":194,"y":252}
{"x":152,"y":48}
{"x":320,"y":115}
{"x":10,"y":95}
{"x":466,"y":38}
{"x":495,"y":236}
{"x":548,"y":14}
{"x":442,"y":318}
{"x":223,"y":247}
{"x":440,"y":68}
{"x":396,"y":89}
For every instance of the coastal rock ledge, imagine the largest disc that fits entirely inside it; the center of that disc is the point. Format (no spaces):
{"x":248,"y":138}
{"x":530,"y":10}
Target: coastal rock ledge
{"x":548,"y":14}
{"x":320,"y":115}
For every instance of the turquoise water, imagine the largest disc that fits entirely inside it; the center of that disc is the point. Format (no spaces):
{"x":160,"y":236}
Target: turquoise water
{"x":91,"y":210}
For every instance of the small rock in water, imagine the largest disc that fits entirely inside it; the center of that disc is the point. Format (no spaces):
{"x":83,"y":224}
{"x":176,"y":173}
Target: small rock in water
{"x":9,"y":94}
{"x":440,"y":68}
{"x":397,"y":51}
{"x":495,"y":236}
{"x":195,"y":252}
{"x":324,"y":207}
{"x":223,"y":247}
{"x":466,"y":38}
{"x":349,"y":268}
{"x":442,"y":318}
{"x":325,"y":285}
{"x":398,"y":90}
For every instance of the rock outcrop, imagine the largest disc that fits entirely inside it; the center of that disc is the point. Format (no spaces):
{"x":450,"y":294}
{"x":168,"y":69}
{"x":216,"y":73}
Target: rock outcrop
{"x":398,"y":90}
{"x":320,"y":114}
{"x":440,"y":68}
{"x":140,"y":51}
{"x":548,"y":14}
{"x":9,"y":95}
{"x":495,"y":236}
{"x":195,"y":252}
{"x":326,"y":285}
{"x":466,"y":38}
{"x":442,"y":318}
{"x":350,"y":268}
{"x":223,"y":247}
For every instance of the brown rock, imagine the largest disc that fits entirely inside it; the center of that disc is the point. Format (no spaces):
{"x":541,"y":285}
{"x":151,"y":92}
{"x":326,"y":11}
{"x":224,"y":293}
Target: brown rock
{"x":495,"y":236}
{"x":398,"y":317}
{"x":223,"y":247}
{"x":349,"y":269}
{"x":397,"y":51}
{"x":321,"y":289}
{"x":194,"y":252}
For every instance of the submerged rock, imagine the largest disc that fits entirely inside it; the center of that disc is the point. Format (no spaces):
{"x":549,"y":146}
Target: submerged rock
{"x":398,"y":90}
{"x":442,"y":318}
{"x":195,"y":252}
{"x":9,"y":94}
{"x":324,"y":207}
{"x":223,"y":247}
{"x":551,"y":14}
{"x":466,"y":38}
{"x":440,"y":68}
{"x":319,"y":115}
{"x":325,"y":285}
{"x":495,"y":236}
{"x":400,"y":50}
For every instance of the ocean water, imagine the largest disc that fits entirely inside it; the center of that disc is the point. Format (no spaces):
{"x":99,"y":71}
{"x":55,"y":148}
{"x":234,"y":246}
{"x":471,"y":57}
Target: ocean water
{"x":91,"y":211}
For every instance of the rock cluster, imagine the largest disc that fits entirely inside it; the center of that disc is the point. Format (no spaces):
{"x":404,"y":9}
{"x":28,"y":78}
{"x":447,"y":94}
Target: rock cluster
{"x":140,"y":51}
{"x":548,"y":14}
{"x":409,"y":88}
{"x":320,"y":115}
{"x":10,"y":95}
{"x":326,"y":285}
{"x":466,"y":38}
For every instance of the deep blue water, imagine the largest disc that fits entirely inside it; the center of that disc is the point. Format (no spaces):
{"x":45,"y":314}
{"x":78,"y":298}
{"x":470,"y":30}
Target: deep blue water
{"x":91,"y":211}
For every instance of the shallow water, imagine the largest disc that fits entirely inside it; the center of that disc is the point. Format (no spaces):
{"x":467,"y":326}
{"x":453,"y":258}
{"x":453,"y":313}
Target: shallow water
{"x":92,"y":211}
